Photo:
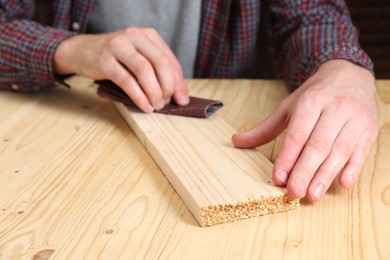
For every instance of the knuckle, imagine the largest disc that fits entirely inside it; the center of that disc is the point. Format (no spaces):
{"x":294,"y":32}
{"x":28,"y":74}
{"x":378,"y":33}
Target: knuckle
{"x":342,"y":103}
{"x":297,"y":136}
{"x":358,"y":158}
{"x":167,"y":89}
{"x":163,"y":60}
{"x":344,"y":149}
{"x":306,"y":172}
{"x":364,"y":146}
{"x":150,"y":30}
{"x":312,"y":96}
{"x":320,"y":144}
{"x":142,"y":68}
{"x":285,"y":163}
{"x":115,"y":42}
{"x":138,"y":99}
{"x":124,"y":81}
{"x":133,"y":31}
{"x":167,"y":81}
{"x":170,"y":90}
{"x":363,"y":151}
{"x":328,"y":175}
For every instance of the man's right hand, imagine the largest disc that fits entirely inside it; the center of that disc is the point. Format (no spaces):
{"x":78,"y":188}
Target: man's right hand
{"x":138,"y":60}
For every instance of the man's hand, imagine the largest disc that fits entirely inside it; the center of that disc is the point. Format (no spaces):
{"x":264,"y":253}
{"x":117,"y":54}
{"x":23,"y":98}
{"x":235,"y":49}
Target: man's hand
{"x":331,"y":124}
{"x":137,"y":60}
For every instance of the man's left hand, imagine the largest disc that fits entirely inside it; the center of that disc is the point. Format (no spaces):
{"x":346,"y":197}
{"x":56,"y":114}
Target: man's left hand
{"x":331,"y":124}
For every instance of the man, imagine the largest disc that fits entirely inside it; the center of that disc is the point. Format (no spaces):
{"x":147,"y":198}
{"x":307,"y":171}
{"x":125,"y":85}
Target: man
{"x":330,"y":119}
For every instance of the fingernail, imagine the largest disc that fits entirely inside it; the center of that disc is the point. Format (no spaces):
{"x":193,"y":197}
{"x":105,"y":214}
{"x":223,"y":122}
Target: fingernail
{"x":318,"y":190}
{"x":160,"y":104}
{"x":183,"y":99}
{"x":148,"y":108}
{"x":283,"y":176}
{"x":348,"y":179}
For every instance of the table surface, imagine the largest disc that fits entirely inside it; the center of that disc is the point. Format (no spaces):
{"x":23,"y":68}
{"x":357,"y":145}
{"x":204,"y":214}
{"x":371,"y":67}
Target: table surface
{"x":76,"y":183}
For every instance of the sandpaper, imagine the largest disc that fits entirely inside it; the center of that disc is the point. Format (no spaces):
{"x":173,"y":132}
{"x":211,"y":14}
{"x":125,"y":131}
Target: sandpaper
{"x":198,"y":107}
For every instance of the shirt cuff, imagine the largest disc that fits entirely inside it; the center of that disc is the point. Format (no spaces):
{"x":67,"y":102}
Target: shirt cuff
{"x":41,"y":59}
{"x":311,"y":64}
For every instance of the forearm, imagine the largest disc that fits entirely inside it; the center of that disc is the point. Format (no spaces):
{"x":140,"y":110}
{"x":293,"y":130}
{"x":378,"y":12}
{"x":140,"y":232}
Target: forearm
{"x":309,"y":35}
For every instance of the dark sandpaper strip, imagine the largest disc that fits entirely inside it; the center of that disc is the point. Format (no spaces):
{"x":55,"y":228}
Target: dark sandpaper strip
{"x":198,"y":107}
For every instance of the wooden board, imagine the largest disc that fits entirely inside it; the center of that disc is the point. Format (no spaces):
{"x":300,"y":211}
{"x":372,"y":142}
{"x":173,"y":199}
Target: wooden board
{"x":217,"y":182}
{"x":76,"y":183}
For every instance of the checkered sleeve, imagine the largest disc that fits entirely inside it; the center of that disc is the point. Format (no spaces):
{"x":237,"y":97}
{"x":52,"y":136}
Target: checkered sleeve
{"x":26,"y":48}
{"x":311,"y":32}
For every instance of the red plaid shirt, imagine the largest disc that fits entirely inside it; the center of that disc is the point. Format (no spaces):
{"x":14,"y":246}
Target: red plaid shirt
{"x":306,"y":33}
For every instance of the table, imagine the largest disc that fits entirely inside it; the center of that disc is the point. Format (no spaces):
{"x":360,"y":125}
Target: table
{"x":76,"y":183}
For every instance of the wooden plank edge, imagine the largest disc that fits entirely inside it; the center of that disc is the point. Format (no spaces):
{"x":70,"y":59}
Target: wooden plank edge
{"x":252,"y":207}
{"x":213,"y":214}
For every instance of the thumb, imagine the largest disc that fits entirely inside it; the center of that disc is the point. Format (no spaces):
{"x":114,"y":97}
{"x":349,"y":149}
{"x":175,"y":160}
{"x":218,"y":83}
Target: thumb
{"x":264,"y":132}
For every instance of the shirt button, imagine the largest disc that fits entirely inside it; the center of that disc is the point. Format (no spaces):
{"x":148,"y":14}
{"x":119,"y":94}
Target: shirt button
{"x":14,"y":87}
{"x":75,"y":26}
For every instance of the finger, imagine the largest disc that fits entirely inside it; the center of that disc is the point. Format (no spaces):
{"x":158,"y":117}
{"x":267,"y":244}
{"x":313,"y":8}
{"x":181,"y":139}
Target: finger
{"x":341,"y":152}
{"x":315,"y":152}
{"x":301,"y":124}
{"x":143,"y":71}
{"x":354,"y":166}
{"x":181,"y":95}
{"x":180,"y":89}
{"x":140,"y":64}
{"x":120,"y":76}
{"x":163,"y":59}
{"x":263,"y":133}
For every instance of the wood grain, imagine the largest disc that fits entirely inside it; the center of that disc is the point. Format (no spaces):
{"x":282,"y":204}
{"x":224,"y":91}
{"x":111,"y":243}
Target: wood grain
{"x":218,"y":182}
{"x":76,"y":183}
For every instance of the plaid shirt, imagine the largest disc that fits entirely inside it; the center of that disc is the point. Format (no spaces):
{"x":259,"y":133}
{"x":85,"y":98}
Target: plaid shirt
{"x":231,"y":43}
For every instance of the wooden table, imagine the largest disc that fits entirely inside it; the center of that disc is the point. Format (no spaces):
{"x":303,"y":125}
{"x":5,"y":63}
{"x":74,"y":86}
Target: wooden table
{"x":76,"y":183}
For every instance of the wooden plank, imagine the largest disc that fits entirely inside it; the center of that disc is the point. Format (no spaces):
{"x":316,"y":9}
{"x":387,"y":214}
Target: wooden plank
{"x":217,"y":182}
{"x":76,"y":180}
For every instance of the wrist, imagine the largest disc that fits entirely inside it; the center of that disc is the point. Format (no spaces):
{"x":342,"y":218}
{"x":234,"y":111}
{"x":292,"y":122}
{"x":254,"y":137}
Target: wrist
{"x":64,"y":56}
{"x":346,"y":66}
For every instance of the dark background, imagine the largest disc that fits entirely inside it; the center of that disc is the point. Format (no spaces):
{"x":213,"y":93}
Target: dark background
{"x":372,"y":18}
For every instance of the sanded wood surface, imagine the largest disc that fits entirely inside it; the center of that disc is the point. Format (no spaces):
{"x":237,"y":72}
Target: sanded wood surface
{"x":76,"y":183}
{"x":218,"y":182}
